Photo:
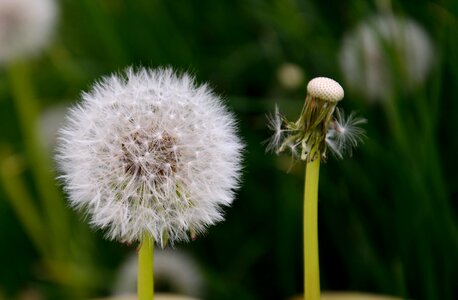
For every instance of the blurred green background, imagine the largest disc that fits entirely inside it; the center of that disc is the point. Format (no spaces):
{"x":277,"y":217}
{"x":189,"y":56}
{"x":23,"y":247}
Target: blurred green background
{"x":387,"y":215}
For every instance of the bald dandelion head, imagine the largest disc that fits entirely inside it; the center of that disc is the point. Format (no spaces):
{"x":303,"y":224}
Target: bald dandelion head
{"x":319,"y":127}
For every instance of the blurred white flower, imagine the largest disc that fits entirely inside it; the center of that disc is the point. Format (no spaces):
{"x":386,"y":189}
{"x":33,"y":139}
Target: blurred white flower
{"x":385,"y":53}
{"x":49,"y":123}
{"x":290,"y":75}
{"x":174,"y":272}
{"x":150,"y":152}
{"x":25,"y":27}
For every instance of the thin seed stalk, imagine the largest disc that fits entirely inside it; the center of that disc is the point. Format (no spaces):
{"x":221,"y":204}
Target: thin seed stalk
{"x":311,"y":260}
{"x":145,"y":279}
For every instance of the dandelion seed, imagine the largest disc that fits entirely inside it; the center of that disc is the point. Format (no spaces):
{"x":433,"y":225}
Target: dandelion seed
{"x":344,"y":133}
{"x":133,"y":174}
{"x":274,"y":123}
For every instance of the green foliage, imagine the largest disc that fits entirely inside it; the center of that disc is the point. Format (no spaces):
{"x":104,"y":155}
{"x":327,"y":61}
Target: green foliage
{"x":387,"y":216}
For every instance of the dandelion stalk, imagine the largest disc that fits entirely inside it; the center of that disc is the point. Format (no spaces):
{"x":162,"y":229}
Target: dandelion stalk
{"x":311,"y":261}
{"x":320,"y":127}
{"x":145,"y":280}
{"x":150,"y":157}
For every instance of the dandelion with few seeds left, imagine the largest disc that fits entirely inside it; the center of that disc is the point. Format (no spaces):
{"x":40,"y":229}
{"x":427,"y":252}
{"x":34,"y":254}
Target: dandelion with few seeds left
{"x":151,"y":157}
{"x":320,"y":127}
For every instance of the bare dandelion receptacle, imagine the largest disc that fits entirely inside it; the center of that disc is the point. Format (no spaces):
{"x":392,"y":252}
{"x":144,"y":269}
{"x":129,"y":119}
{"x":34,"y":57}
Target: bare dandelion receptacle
{"x":309,"y":137}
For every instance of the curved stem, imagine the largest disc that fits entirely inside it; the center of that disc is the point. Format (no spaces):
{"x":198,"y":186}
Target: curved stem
{"x":145,"y":279}
{"x":311,"y":261}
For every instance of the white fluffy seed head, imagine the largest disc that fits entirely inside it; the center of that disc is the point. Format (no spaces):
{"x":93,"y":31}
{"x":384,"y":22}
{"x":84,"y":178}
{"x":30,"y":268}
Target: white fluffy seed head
{"x":150,"y":152}
{"x":326,"y":89}
{"x":25,"y":27}
{"x":384,"y":53}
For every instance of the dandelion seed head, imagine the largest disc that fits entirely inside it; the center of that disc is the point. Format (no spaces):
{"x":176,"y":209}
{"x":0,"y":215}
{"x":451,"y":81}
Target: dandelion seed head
{"x":325,"y":88}
{"x":124,"y":163}
{"x":25,"y":27}
{"x":384,"y":53}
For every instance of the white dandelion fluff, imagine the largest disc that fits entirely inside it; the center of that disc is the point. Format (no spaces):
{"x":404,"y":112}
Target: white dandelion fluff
{"x":344,"y":133}
{"x":150,"y":152}
{"x":384,"y":53}
{"x":275,"y":123}
{"x":25,"y":27}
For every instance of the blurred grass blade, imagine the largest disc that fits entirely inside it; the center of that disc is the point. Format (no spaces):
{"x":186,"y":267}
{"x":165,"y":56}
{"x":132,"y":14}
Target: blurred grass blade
{"x":22,"y":203}
{"x":27,"y":110}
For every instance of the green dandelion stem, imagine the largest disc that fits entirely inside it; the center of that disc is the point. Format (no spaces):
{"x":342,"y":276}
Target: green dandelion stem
{"x":311,"y":264}
{"x":145,"y":280}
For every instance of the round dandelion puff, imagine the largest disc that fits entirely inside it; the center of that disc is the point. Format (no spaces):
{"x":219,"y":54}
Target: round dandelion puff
{"x":384,"y":53}
{"x":151,"y":153}
{"x":25,"y":27}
